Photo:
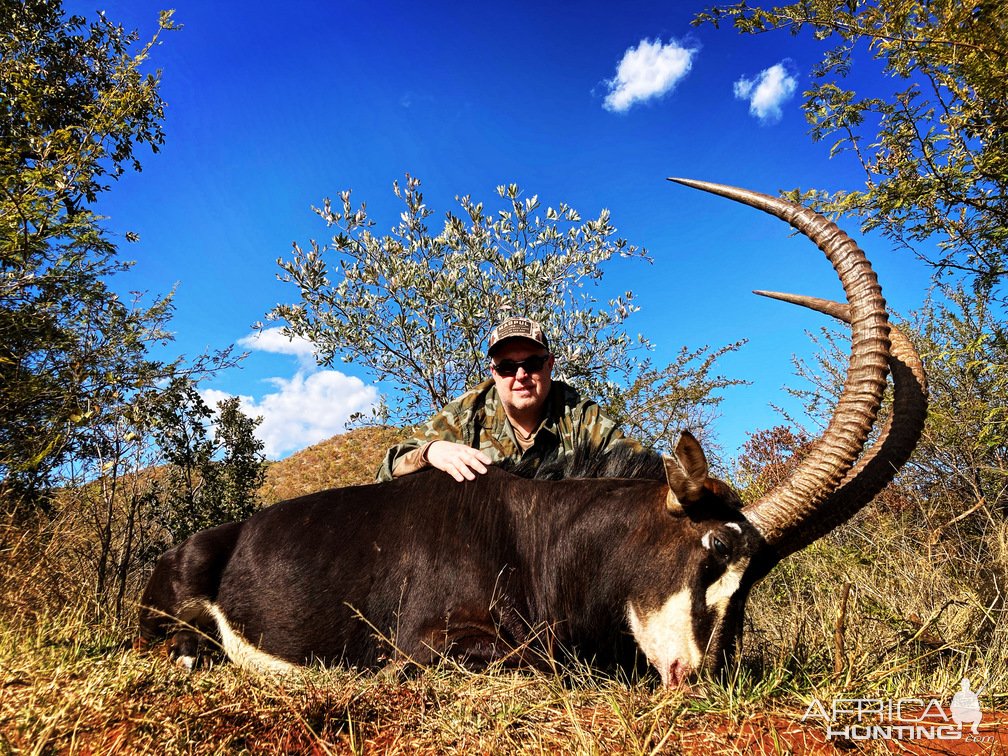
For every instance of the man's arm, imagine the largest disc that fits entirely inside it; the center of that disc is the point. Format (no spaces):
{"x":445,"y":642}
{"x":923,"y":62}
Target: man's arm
{"x":441,"y":444}
{"x":402,"y":459}
{"x":458,"y":460}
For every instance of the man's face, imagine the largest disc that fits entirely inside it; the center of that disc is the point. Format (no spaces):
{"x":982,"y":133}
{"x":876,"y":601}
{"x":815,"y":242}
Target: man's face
{"x":524,"y":391}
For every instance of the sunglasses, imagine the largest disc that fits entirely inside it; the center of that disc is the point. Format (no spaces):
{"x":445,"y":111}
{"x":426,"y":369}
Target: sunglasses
{"x":509,"y":368}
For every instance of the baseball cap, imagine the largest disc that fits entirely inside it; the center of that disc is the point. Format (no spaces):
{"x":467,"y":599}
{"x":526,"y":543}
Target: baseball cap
{"x":516,"y":328}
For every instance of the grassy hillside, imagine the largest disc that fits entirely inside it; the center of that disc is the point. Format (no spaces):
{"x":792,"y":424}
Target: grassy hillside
{"x":344,"y":460}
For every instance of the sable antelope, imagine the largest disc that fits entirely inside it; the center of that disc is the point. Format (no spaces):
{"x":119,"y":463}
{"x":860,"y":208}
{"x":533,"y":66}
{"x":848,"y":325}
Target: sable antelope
{"x":507,"y":569}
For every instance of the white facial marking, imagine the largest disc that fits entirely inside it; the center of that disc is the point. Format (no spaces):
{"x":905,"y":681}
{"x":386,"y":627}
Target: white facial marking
{"x":719,"y":592}
{"x":243,"y":653}
{"x":186,"y":662}
{"x":666,"y":636}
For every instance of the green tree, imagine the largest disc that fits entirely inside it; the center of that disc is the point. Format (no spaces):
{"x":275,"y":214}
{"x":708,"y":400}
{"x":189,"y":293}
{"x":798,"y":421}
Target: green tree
{"x":82,"y":402}
{"x":414,"y":306}
{"x":75,"y":106}
{"x":210,"y":481}
{"x":108,"y":509}
{"x":934,"y":149}
{"x":151,"y":475}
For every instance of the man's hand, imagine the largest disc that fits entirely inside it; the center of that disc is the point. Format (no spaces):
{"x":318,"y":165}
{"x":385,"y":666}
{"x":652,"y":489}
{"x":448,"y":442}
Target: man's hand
{"x":458,"y":460}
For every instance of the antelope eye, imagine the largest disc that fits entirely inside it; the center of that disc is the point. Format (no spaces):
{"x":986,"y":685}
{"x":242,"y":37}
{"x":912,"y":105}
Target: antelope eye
{"x":712,"y":543}
{"x":720,"y":547}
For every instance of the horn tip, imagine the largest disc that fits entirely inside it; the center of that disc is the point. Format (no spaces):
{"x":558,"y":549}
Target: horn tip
{"x":689,"y":182}
{"x":770,"y":294}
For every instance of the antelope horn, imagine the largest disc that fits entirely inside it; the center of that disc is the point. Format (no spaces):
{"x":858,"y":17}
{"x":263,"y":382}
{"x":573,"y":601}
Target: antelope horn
{"x":796,"y":499}
{"x":891,"y":450}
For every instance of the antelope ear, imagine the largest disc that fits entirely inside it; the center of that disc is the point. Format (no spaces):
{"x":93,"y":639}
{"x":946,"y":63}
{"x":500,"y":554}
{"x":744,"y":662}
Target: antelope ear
{"x":686,"y":472}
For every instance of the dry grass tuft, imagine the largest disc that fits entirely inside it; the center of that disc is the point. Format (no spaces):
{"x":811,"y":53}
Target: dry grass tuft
{"x":879,"y":606}
{"x":90,"y":696}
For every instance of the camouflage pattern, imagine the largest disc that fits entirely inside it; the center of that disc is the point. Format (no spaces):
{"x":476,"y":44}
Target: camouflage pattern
{"x":477,"y":419}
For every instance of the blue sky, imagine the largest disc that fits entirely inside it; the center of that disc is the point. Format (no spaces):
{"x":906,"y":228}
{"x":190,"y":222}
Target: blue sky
{"x":273,"y":108}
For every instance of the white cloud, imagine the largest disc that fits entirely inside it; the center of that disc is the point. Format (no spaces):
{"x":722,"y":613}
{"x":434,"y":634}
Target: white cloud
{"x":304,"y":410}
{"x":649,"y":70}
{"x":274,"y":341}
{"x":767,"y":92}
{"x":310,"y":407}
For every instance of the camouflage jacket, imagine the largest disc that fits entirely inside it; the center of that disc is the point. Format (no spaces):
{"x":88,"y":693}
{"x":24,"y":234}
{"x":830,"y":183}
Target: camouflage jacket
{"x":477,"y":419}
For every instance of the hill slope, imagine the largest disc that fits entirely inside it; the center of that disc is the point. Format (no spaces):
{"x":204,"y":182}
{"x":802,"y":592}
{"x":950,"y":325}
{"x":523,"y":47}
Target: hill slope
{"x":347,"y":459}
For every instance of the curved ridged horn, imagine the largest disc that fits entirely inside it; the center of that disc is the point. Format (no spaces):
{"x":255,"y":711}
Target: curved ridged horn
{"x":894,"y":445}
{"x":795,"y":500}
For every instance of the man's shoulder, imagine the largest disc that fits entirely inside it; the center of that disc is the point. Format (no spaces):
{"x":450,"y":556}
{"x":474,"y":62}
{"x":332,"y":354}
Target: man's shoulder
{"x":581,"y":411}
{"x":477,"y":396}
{"x":565,"y":394}
{"x":568,"y":400}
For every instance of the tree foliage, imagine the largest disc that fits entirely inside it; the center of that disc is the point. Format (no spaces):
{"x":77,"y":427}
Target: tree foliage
{"x":934,"y":147}
{"x":152,"y":476}
{"x":75,"y":108}
{"x":685,"y":394}
{"x":83,"y":404}
{"x":962,"y":459}
{"x":768,"y":458}
{"x":209,"y":480}
{"x":414,"y":306}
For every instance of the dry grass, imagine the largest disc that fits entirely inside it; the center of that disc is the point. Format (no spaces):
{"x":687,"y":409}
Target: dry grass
{"x":919,"y":614}
{"x":69,"y":688}
{"x":91,"y":697}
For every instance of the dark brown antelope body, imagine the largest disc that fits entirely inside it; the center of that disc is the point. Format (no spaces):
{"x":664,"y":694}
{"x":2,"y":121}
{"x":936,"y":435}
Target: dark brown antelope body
{"x":500,"y":568}
{"x":517,"y":571}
